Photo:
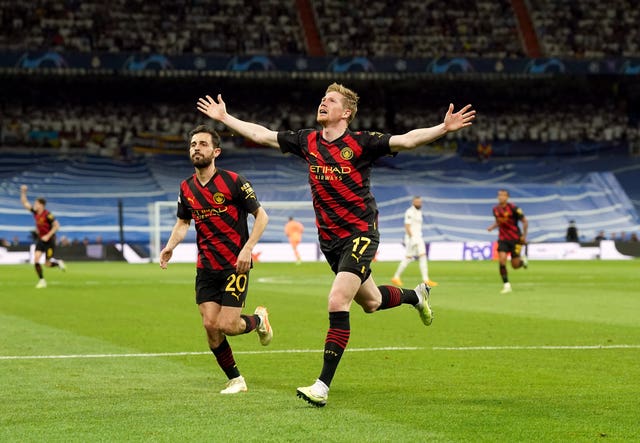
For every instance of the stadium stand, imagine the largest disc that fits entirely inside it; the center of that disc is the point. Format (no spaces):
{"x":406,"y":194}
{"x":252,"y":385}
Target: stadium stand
{"x":432,"y":28}
{"x":84,"y":193}
{"x":168,"y":27}
{"x":413,"y":28}
{"x":564,"y":146}
{"x":587,"y":28}
{"x":596,"y":113}
{"x":418,"y":28}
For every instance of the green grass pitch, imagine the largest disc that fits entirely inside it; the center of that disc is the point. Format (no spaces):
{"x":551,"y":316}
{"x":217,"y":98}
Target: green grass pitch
{"x":116,"y":352}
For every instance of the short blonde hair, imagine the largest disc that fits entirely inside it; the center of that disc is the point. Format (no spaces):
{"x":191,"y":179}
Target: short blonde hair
{"x":350,"y":98}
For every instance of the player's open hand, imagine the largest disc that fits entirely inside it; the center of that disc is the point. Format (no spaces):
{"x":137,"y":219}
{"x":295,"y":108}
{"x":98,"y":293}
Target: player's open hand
{"x":461,"y":119}
{"x":165,"y":256}
{"x":211,"y":108}
{"x":243,"y":265}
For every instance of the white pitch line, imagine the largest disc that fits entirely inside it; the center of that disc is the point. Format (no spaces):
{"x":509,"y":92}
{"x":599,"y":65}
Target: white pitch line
{"x":306,"y":351}
{"x":527,"y":348}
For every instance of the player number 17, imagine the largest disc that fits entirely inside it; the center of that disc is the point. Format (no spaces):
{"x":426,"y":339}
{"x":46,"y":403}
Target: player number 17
{"x":360,"y":244}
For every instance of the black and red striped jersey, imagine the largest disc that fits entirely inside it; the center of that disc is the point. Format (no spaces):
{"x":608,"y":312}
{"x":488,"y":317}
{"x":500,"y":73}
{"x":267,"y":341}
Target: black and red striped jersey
{"x":507,"y":217}
{"x":219,"y":209}
{"x":44,"y":222}
{"x":339,"y":176}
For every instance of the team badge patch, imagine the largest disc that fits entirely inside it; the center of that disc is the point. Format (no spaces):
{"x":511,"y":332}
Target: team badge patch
{"x":218,"y":197}
{"x":346,"y":153}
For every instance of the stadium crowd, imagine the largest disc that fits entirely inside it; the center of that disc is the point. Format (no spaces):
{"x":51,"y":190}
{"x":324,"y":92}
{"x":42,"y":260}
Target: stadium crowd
{"x":113,"y":127}
{"x":162,"y":26}
{"x":411,"y":28}
{"x":587,"y":28}
{"x":418,"y":28}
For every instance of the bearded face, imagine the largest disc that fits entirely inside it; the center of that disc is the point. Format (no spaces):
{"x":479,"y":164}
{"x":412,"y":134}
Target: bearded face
{"x":202,"y":152}
{"x":201,"y":159}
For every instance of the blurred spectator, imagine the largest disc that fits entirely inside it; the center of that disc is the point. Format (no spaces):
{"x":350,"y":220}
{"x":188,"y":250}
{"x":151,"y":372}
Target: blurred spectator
{"x":600,"y":237}
{"x":633,"y":237}
{"x":572,"y":233}
{"x":484,"y":151}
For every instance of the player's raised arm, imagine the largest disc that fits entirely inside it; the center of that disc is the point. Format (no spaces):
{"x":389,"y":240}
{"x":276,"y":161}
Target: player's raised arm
{"x":23,"y":198}
{"x":422,"y":136}
{"x":217,"y":110}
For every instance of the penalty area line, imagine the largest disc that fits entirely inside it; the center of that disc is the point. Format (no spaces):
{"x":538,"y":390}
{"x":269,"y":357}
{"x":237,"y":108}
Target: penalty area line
{"x":308,"y":351}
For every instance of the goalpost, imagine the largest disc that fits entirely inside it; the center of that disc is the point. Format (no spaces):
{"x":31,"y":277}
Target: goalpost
{"x":162,"y":218}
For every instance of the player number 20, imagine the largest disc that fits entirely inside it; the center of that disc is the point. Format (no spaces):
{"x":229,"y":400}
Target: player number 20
{"x":236,"y":283}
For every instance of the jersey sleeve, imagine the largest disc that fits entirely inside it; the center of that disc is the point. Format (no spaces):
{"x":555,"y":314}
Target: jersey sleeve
{"x":377,"y":144}
{"x":293,"y":141}
{"x":184,"y":210}
{"x":407,"y":217}
{"x":247,"y":196}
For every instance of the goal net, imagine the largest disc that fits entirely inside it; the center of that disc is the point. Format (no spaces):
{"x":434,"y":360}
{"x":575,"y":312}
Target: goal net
{"x":162,"y":218}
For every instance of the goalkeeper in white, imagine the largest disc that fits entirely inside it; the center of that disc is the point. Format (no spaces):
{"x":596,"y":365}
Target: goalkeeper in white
{"x":414,"y":244}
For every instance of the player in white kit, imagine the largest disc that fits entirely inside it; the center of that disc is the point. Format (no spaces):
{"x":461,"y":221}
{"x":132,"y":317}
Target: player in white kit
{"x":414,"y":243}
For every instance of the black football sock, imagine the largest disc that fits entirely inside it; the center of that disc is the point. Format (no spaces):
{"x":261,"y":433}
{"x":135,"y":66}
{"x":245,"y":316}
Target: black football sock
{"x":225,"y":359}
{"x":503,"y":274}
{"x":39,"y":270}
{"x":409,"y":297}
{"x":335,"y":344}
{"x":251,"y":321}
{"x":391,"y":297}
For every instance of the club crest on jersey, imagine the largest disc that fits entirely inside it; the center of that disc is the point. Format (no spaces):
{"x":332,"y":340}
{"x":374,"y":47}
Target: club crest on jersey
{"x":346,"y":153}
{"x":218,"y":197}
